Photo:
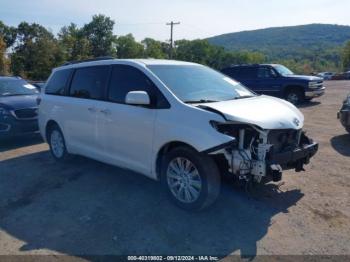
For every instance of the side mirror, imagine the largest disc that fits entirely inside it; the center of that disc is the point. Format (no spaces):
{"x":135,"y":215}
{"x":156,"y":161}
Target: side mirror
{"x":137,"y":98}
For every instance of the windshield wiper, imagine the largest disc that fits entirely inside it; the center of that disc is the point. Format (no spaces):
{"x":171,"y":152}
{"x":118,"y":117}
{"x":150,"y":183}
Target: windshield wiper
{"x":201,"y":101}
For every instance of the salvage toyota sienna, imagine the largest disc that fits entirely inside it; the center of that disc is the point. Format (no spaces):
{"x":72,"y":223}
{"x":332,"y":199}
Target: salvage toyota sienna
{"x":181,"y":123}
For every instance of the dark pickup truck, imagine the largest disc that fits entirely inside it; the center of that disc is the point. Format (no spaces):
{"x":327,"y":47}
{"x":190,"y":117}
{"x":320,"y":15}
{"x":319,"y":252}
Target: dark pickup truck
{"x":277,"y":80}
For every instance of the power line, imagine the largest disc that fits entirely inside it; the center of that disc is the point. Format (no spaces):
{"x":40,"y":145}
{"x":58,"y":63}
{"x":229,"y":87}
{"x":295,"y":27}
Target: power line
{"x":171,"y":36}
{"x":136,"y":24}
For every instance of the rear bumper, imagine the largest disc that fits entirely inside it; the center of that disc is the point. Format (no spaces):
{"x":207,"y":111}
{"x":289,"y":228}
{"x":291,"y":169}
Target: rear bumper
{"x":310,"y":93}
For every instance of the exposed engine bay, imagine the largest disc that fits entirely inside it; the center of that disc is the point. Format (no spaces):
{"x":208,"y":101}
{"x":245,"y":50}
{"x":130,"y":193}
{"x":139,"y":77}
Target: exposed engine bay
{"x":256,"y":153}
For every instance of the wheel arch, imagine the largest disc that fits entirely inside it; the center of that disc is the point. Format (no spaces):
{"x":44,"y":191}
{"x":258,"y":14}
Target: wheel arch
{"x":49,"y":125}
{"x":167,"y":148}
{"x":288,"y":88}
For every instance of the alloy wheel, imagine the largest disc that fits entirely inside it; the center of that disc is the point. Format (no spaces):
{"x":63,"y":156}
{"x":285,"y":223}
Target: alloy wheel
{"x":184,"y":180}
{"x":57,"y":144}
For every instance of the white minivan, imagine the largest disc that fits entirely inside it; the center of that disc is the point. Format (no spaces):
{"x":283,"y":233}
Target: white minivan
{"x":178,"y":122}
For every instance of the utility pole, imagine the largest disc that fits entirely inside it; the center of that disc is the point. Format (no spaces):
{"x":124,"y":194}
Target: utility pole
{"x":171,"y":37}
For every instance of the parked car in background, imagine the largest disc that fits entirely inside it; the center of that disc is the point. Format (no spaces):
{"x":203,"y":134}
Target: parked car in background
{"x":277,"y":80}
{"x":344,"y":114}
{"x":181,"y":123}
{"x":326,"y":75}
{"x":342,"y":76}
{"x":18,"y":107}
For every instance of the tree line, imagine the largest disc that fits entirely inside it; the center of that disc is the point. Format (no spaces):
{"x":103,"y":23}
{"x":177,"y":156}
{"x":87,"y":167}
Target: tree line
{"x":31,"y":50}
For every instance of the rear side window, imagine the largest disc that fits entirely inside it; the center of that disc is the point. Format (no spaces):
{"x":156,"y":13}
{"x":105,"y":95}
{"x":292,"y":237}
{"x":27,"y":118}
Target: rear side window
{"x":58,"y":82}
{"x":247,"y":72}
{"x":126,"y":78}
{"x":89,"y":82}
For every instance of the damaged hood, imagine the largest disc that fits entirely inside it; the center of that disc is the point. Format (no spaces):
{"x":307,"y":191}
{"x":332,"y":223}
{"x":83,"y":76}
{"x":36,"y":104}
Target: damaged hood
{"x":263,"y":111}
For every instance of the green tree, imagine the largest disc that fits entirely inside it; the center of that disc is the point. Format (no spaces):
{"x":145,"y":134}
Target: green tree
{"x":346,"y":56}
{"x":127,"y":47}
{"x":3,"y":58}
{"x":36,"y":52}
{"x":99,"y":32}
{"x":197,"y":51}
{"x":201,"y":51}
{"x":74,"y":44}
{"x":154,"y":48}
{"x":8,"y":34}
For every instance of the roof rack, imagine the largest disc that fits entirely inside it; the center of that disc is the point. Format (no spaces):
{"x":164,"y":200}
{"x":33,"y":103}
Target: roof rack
{"x":89,"y":60}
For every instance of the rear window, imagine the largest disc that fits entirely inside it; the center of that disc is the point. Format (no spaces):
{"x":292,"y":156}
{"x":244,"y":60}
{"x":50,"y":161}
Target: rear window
{"x":58,"y":82}
{"x":89,"y":82}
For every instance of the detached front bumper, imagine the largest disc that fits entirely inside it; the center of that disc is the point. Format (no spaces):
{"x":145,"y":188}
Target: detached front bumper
{"x":312,"y":93}
{"x":294,"y":158}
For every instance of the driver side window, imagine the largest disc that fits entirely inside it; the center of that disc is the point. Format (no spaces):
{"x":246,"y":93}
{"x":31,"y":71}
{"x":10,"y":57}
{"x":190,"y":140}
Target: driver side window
{"x":126,"y":78}
{"x":266,"y":72}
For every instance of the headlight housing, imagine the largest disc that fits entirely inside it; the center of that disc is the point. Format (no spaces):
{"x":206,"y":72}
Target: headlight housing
{"x":4,"y":112}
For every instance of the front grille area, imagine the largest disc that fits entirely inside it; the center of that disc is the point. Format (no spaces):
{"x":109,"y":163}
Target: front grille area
{"x":319,"y":84}
{"x":27,"y":113}
{"x":283,"y":139}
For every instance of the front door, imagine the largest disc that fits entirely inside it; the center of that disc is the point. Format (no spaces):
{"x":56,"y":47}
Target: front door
{"x":128,"y":129}
{"x":268,"y":82}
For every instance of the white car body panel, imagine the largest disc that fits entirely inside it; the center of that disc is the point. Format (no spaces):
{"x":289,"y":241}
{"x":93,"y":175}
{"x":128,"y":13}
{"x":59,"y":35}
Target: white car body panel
{"x":263,"y":111}
{"x":132,"y":136}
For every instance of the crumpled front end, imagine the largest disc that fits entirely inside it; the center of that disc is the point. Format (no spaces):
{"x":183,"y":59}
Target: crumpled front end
{"x":258,"y":153}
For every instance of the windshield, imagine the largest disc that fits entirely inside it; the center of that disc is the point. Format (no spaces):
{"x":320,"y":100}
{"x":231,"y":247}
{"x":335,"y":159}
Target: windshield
{"x":283,"y":70}
{"x":16,"y":87}
{"x":199,"y":84}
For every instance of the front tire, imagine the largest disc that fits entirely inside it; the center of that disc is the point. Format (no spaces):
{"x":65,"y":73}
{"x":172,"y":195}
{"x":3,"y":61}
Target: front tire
{"x":57,"y":144}
{"x":295,"y":96}
{"x":191,"y":179}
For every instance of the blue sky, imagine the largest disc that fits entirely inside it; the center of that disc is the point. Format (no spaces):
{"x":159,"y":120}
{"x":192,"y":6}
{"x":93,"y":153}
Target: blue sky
{"x":199,"y":18}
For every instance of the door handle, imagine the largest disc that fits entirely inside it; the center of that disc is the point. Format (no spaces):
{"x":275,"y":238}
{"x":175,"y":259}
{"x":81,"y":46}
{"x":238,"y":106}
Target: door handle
{"x":105,"y":111}
{"x":92,"y":109}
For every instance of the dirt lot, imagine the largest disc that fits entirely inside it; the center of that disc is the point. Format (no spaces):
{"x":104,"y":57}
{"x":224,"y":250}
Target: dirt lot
{"x":87,"y":208}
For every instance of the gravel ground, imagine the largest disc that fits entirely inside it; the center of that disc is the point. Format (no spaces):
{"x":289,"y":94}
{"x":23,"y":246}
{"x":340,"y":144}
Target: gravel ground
{"x":84,"y":207}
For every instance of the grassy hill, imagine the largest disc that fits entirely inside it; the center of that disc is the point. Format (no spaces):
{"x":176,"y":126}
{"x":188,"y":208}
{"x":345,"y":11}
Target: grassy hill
{"x":292,"y":42}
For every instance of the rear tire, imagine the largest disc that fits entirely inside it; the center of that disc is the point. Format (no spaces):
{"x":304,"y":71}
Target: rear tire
{"x":57,"y":144}
{"x":191,"y":179}
{"x":295,"y":96}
